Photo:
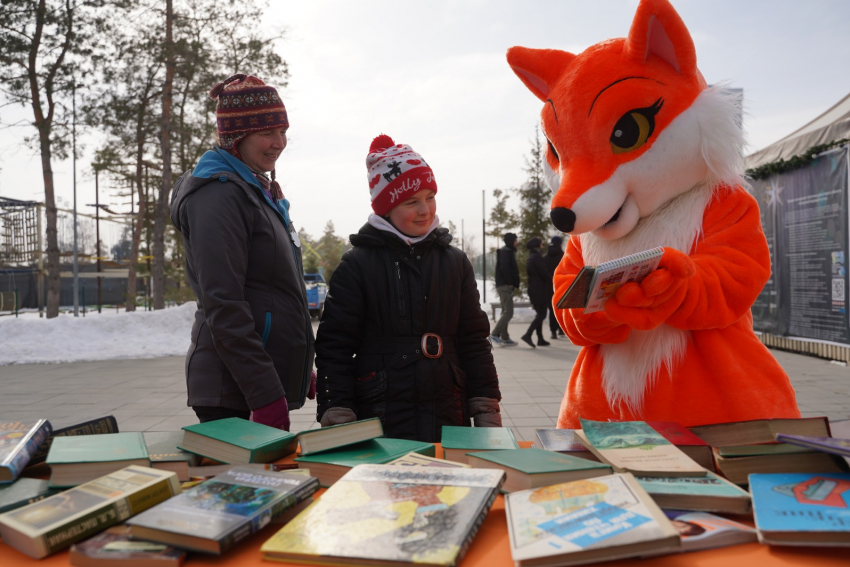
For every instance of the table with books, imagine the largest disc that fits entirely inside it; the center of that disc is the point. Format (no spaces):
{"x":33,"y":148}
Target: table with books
{"x":491,"y":546}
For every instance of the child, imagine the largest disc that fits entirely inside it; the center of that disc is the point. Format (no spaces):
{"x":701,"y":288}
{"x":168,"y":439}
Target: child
{"x":403,"y":336}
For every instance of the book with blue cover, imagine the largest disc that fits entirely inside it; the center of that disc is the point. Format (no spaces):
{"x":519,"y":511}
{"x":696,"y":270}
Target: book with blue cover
{"x":19,"y":440}
{"x":802,"y":508}
{"x":585,"y":521}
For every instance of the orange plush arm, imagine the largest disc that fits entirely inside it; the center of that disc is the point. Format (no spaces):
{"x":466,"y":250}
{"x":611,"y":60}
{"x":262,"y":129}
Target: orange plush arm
{"x":582,"y":330}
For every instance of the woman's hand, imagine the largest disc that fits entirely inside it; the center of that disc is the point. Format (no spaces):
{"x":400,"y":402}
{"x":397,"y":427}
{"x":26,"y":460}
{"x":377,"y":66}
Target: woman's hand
{"x":276,"y":414}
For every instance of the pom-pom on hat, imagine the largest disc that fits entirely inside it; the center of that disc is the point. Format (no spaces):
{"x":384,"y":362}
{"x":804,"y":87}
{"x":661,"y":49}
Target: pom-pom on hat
{"x":246,"y":104}
{"x":395,"y":172}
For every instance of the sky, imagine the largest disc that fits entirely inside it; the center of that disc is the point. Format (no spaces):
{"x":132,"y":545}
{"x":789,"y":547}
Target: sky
{"x":433,"y":75}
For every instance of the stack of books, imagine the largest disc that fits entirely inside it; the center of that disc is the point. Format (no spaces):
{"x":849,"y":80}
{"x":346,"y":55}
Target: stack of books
{"x":533,"y":468}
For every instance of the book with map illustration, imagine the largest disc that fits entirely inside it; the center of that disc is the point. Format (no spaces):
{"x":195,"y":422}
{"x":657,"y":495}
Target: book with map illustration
{"x":390,"y":515}
{"x":635,"y":447}
{"x":586,"y":521}
{"x":215,"y":515}
{"x":595,"y":284}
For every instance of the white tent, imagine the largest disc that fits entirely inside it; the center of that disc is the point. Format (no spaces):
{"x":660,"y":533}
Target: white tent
{"x":832,"y":125}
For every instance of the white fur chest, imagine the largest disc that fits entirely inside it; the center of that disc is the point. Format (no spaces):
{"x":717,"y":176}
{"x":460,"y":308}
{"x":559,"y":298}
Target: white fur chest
{"x":630,"y":368}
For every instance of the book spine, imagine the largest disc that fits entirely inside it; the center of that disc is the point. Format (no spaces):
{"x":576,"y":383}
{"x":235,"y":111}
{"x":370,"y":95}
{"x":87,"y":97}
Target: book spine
{"x":476,"y":525}
{"x":83,"y":527}
{"x":37,"y":436}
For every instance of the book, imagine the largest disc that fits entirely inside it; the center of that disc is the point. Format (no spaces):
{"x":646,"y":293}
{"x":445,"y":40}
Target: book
{"x":458,"y":441}
{"x":635,"y":447}
{"x":98,"y":426}
{"x":59,"y":521}
{"x":330,"y":466}
{"x":210,"y":471}
{"x":825,"y":444}
{"x":710,"y":493}
{"x":738,"y":468}
{"x":563,"y":441}
{"x":164,"y":454}
{"x":420,"y":460}
{"x":802,"y":508}
{"x":759,"y":430}
{"x":732,"y":451}
{"x":388,"y":515}
{"x":331,"y":437}
{"x":217,"y":514}
{"x":586,"y":521}
{"x":22,"y":492}
{"x":237,"y":441}
{"x":533,"y":468}
{"x":19,"y":441}
{"x":595,"y":284}
{"x":75,"y":460}
{"x":690,"y":444}
{"x":701,"y":530}
{"x":114,"y":547}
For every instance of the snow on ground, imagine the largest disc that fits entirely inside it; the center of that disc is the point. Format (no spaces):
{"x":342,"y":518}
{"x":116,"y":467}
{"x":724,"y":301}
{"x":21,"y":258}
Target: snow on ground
{"x":105,"y":336}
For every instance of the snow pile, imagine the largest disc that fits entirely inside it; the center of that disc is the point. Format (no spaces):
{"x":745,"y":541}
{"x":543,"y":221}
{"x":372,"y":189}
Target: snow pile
{"x":105,"y":336}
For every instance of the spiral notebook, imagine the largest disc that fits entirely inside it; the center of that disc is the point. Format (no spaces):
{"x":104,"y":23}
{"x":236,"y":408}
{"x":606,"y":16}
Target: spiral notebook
{"x":594,"y":285}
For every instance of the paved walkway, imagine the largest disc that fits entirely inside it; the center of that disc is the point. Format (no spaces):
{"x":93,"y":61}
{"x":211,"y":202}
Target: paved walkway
{"x":149,"y":394}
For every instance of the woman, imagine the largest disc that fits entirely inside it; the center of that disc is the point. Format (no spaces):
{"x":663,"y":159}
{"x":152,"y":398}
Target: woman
{"x":540,"y":291}
{"x":252,"y":342}
{"x":403,"y":336}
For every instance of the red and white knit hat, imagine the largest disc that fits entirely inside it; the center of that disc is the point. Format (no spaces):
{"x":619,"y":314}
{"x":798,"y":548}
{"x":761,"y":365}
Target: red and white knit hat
{"x":395,"y":173}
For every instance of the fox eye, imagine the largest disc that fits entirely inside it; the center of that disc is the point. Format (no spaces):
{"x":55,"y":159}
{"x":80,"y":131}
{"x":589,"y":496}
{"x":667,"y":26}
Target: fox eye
{"x":552,"y":149}
{"x":634,"y":128}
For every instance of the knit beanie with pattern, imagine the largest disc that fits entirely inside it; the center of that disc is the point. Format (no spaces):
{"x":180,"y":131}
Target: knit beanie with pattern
{"x":395,"y":173}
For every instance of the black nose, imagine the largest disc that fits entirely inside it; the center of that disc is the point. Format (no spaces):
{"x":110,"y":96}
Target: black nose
{"x":563,"y":219}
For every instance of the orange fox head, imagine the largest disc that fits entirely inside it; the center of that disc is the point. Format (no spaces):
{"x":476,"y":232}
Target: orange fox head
{"x":623,"y":137}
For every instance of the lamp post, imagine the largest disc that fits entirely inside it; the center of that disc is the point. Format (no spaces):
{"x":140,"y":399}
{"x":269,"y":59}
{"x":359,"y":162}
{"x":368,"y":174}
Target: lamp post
{"x":74,"y":150}
{"x":97,"y":207}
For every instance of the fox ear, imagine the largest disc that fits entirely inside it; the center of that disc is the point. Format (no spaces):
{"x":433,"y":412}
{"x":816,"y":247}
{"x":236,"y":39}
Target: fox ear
{"x":658,"y":30}
{"x":539,"y":69}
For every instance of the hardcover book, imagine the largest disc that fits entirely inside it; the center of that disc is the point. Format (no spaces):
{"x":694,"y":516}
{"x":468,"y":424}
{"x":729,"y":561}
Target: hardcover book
{"x":237,"y":441}
{"x":329,"y":466}
{"x":59,"y":521}
{"x":759,"y":430}
{"x":114,"y":547}
{"x":586,"y":521}
{"x":22,"y":492}
{"x":687,"y":442}
{"x":563,"y":441}
{"x":98,"y":426}
{"x":738,"y":468}
{"x":635,"y":447}
{"x":331,"y":437}
{"x":419,"y":460}
{"x":18,"y":443}
{"x":215,"y":515}
{"x":75,"y":460}
{"x":164,"y":454}
{"x":533,"y":468}
{"x":458,"y":441}
{"x":710,"y":493}
{"x":802,"y":509}
{"x":700,"y":530}
{"x":594,"y":285}
{"x":825,"y":444}
{"x":390,"y":515}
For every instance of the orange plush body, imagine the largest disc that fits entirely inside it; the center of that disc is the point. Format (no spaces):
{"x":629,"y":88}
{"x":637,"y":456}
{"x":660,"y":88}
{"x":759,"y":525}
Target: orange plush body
{"x":641,"y":153}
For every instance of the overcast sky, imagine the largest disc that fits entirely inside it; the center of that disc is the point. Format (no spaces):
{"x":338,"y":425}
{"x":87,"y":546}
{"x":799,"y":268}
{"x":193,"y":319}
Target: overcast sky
{"x":433,"y":75}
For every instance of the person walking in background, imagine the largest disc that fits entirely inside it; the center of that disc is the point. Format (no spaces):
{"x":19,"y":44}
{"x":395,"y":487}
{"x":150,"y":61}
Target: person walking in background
{"x":553,"y":257}
{"x":540,"y":290}
{"x":251,"y":354}
{"x":403,"y":336}
{"x":507,"y":279}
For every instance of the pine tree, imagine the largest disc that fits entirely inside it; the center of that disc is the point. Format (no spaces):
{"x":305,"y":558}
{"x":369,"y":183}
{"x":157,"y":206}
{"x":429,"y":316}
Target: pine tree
{"x":534,"y":198}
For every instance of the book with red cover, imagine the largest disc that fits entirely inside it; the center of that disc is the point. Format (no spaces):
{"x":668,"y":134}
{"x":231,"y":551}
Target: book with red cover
{"x":690,"y":444}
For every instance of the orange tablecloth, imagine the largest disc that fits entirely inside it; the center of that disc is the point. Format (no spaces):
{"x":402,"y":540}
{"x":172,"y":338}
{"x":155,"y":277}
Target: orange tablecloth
{"x":491,"y":549}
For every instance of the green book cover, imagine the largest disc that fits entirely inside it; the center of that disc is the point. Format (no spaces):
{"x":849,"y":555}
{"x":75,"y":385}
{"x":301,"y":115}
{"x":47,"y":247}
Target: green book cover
{"x":709,"y":485}
{"x":162,"y":447}
{"x":478,"y":438}
{"x":245,"y":434}
{"x":537,"y":461}
{"x":97,"y":448}
{"x":22,"y":492}
{"x":371,"y":452}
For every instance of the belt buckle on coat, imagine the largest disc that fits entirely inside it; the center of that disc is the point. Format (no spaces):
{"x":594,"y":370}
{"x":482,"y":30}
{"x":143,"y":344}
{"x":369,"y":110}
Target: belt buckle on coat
{"x":424,"y":345}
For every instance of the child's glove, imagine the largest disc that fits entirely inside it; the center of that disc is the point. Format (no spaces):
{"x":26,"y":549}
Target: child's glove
{"x":484,"y":412}
{"x":311,"y":393}
{"x":337,"y":416}
{"x":599,"y":328}
{"x":276,"y":414}
{"x":647,"y":305}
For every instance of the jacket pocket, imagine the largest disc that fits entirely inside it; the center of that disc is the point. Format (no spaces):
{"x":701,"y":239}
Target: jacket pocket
{"x":267,"y":328}
{"x":370,"y":394}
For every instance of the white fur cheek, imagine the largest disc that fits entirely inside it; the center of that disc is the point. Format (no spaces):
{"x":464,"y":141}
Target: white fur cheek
{"x":553,"y":179}
{"x":625,"y":223}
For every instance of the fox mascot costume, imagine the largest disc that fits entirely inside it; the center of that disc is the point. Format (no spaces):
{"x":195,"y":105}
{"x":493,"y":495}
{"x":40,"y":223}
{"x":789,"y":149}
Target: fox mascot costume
{"x":643,"y":154}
